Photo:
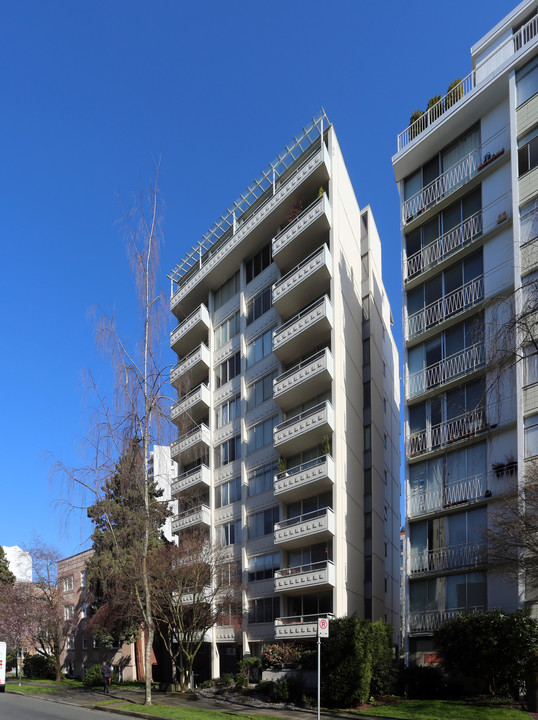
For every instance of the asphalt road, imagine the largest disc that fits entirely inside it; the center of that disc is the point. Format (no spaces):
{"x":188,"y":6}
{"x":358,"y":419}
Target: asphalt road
{"x":20,"y":707}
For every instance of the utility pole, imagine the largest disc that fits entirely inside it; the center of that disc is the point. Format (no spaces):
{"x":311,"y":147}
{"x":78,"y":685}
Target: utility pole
{"x":323,"y":631}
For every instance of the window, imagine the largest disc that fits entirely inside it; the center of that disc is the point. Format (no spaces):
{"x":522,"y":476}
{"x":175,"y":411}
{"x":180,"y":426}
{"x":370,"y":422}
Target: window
{"x":83,"y":578}
{"x":227,"y":330}
{"x":228,"y":411}
{"x":229,"y":573}
{"x":386,"y":475}
{"x":68,"y":583}
{"x":84,"y":610}
{"x":229,"y":451}
{"x":95,"y":643}
{"x":259,"y":348}
{"x":263,"y":610}
{"x":366,"y":395}
{"x":367,"y":438}
{"x":259,"y":305}
{"x":229,"y":369}
{"x":70,"y":642}
{"x":368,"y":481}
{"x":261,"y":435}
{"x":385,"y":440}
{"x":229,"y":533}
{"x":258,"y":263}
{"x":262,"y":567}
{"x":262,"y":523}
{"x":384,"y":369}
{"x":386,"y":550}
{"x":261,"y":479}
{"x":69,"y":611}
{"x":367,"y":525}
{"x":527,"y":154}
{"x":366,"y":351}
{"x":386,"y":584}
{"x":386,"y":513}
{"x":228,"y":493}
{"x":260,"y":391}
{"x":368,"y":568}
{"x":226,"y":291}
{"x":528,"y":215}
{"x":527,"y":81}
{"x":84,"y":643}
{"x":531,"y":436}
{"x":530,"y":365}
{"x":385,"y":405}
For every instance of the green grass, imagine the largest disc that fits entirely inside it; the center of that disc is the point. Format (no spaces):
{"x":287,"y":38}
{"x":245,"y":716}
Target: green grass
{"x":183,"y":713}
{"x":442,"y":710}
{"x":30,"y":689}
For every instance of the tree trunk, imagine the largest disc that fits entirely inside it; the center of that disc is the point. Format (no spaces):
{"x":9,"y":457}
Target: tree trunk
{"x":147,"y":663}
{"x":58,"y":668}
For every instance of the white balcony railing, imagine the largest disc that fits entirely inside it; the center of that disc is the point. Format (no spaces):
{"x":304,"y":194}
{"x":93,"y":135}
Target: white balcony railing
{"x":191,"y":517}
{"x":197,"y":396}
{"x":454,"y":177}
{"x":484,"y":69}
{"x":198,"y":434}
{"x":442,"y":372}
{"x":430,"y":620}
{"x":305,"y":576}
{"x":199,"y":316}
{"x":200,"y":354}
{"x":299,"y":625}
{"x":457,"y":301}
{"x":444,"y":433}
{"x":457,"y":238}
{"x":422,"y":500}
{"x":293,"y":480}
{"x":447,"y":558}
{"x":198,"y":474}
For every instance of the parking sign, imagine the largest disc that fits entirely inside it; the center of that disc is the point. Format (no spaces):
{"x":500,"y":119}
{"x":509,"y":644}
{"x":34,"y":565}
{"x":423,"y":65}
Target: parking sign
{"x":323,"y":627}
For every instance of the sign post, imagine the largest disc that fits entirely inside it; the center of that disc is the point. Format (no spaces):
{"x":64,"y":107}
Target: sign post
{"x":323,"y":631}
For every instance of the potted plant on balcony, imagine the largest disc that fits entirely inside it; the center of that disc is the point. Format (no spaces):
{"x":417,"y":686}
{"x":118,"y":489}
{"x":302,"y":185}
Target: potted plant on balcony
{"x":325,"y":445}
{"x":435,"y":107}
{"x":453,"y":93}
{"x":416,"y":129}
{"x":281,"y":466}
{"x":295,"y":210}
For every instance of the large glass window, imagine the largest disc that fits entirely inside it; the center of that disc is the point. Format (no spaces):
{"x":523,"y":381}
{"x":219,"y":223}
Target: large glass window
{"x":226,"y":291}
{"x":260,"y":391}
{"x":228,"y":451}
{"x":228,"y":411}
{"x":527,"y":154}
{"x":531,"y":436}
{"x":259,"y":305}
{"x":527,"y":81}
{"x":227,"y":330}
{"x":261,"y":479}
{"x":228,"y":369}
{"x":262,"y":567}
{"x":263,"y":610}
{"x":528,"y":222}
{"x":259,"y":262}
{"x":259,"y":348}
{"x":262,"y":523}
{"x":229,"y":533}
{"x":261,"y":435}
{"x":228,"y":493}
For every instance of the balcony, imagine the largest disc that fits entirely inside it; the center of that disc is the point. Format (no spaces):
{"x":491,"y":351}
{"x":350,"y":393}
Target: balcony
{"x":450,"y":305}
{"x":440,"y":373}
{"x":307,"y":330}
{"x":304,"y":430}
{"x":302,"y":235}
{"x":194,"y":405}
{"x":459,"y":237}
{"x":192,"y":444}
{"x":304,"y":283}
{"x":305,"y":380}
{"x":447,"y":558}
{"x":450,"y":431}
{"x":192,"y":369}
{"x":311,"y":528}
{"x":305,"y":480}
{"x":191,"y":331}
{"x":200,"y":515}
{"x":298,"y":626}
{"x":423,"y":501}
{"x":481,"y":157}
{"x":197,"y":476}
{"x":254,"y":216}
{"x":199,"y":594}
{"x":317,"y":576}
{"x":426,"y":621}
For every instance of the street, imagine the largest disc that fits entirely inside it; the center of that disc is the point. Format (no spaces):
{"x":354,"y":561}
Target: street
{"x":20,"y":707}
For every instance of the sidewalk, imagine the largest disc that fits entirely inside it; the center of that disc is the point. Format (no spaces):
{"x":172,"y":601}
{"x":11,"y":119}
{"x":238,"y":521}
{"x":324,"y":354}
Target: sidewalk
{"x":88,"y":697}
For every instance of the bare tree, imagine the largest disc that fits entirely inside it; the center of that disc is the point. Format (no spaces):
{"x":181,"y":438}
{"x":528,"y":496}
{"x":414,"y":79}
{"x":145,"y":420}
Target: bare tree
{"x":141,"y":403}
{"x":195,"y":588}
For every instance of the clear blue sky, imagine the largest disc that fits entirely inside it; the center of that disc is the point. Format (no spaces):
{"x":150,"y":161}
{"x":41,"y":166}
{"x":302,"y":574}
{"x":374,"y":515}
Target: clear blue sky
{"x":91,"y":92}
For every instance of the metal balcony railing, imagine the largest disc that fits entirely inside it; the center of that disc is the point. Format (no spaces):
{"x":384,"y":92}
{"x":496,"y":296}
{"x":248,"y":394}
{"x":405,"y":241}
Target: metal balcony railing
{"x":299,"y":569}
{"x":456,"y":176}
{"x":297,"y":317}
{"x":461,"y":363}
{"x":300,"y":366}
{"x":298,"y":519}
{"x":422,"y":501}
{"x":430,"y":620}
{"x":301,"y":416}
{"x":178,"y":369}
{"x":463,"y":298}
{"x":447,"y":558}
{"x":437,"y":436}
{"x":302,"y":468}
{"x":296,"y":619}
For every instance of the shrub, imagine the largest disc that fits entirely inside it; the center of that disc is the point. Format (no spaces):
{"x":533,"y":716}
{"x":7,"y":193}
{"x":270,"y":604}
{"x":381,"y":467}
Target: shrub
{"x":421,"y":683}
{"x":281,"y":690}
{"x":275,"y":655}
{"x":295,"y":689}
{"x":241,"y":681}
{"x":209,"y":683}
{"x":39,"y":666}
{"x":266,"y":688}
{"x":94,"y":676}
{"x":251,"y":668}
{"x":224,"y":680}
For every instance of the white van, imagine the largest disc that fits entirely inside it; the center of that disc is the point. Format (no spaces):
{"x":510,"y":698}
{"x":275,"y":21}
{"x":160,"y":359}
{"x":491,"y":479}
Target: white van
{"x":2,"y":666}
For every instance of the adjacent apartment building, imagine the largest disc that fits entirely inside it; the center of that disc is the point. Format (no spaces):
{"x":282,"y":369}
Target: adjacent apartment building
{"x":468,"y":182}
{"x":288,"y":402}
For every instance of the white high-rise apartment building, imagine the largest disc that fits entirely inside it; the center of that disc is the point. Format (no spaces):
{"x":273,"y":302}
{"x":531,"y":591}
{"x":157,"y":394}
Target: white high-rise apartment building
{"x":287,"y":377}
{"x":468,"y":181}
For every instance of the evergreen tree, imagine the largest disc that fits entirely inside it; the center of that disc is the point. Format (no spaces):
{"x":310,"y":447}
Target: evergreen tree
{"x":6,"y":576}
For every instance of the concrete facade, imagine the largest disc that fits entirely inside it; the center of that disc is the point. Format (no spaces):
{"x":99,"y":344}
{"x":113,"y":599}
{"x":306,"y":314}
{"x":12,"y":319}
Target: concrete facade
{"x":468,"y":198}
{"x":288,"y":401}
